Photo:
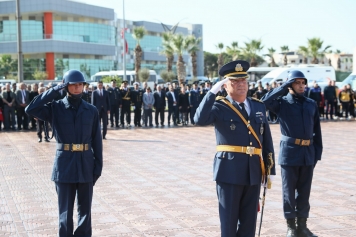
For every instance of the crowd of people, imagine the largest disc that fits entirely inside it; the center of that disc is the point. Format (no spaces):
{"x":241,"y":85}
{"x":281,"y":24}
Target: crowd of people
{"x":180,"y":102}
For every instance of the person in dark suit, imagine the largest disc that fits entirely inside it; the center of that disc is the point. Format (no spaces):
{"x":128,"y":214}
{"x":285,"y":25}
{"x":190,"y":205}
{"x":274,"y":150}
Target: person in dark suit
{"x":159,"y":105}
{"x":172,"y":100}
{"x":193,"y":101}
{"x":22,"y":100}
{"x":176,"y":93}
{"x":87,"y":92}
{"x":79,"y":150}
{"x":126,"y":104}
{"x":33,"y":94}
{"x":115,"y":102}
{"x":9,"y":100}
{"x":183,"y":105}
{"x":137,"y":100}
{"x":300,"y":148}
{"x":100,"y":99}
{"x":239,"y":164}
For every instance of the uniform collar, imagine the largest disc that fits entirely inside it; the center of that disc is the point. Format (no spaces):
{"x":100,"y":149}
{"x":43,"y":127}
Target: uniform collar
{"x":67,"y":104}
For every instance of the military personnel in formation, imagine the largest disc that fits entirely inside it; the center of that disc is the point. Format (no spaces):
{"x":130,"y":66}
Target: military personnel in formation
{"x":300,"y":148}
{"x":115,"y":103}
{"x":137,"y":100}
{"x":126,"y":105}
{"x":193,"y":101}
{"x":244,"y":146}
{"x":79,"y":154}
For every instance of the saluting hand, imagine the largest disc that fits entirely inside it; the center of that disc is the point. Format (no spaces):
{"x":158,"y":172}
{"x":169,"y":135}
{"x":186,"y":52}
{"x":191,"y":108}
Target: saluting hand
{"x":217,"y":87}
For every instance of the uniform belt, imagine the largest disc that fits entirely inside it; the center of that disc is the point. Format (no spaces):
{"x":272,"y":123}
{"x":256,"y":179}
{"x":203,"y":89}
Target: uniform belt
{"x":297,"y":141}
{"x":126,"y":98}
{"x":250,"y":150}
{"x":73,"y":147}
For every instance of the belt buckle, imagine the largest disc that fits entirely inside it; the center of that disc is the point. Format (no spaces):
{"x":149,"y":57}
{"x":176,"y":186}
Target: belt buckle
{"x":305,"y":142}
{"x":77,"y":147}
{"x":250,"y":150}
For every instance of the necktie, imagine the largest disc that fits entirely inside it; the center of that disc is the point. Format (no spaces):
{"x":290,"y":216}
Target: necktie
{"x":101,"y":94}
{"x":23,"y":96}
{"x":243,"y":111}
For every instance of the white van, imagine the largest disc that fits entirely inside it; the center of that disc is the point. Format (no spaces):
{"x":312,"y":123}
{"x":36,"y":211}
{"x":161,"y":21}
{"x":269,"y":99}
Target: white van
{"x":351,"y":79}
{"x":313,"y":72}
{"x":4,"y":81}
{"x":130,"y":76}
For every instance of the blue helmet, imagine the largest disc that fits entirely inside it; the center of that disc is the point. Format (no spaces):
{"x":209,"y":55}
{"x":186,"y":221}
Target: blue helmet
{"x":73,"y":77}
{"x":295,"y":74}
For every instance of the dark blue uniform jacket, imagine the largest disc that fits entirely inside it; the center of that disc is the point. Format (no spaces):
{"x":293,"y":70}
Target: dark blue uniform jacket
{"x":71,"y":127}
{"x":232,"y":167}
{"x":297,"y":120}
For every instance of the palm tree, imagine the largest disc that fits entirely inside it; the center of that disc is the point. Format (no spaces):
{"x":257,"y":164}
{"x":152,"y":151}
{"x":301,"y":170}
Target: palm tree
{"x":271,"y":51}
{"x":285,"y":50}
{"x":192,"y":48}
{"x":305,"y":52}
{"x":220,"y":61}
{"x":168,"y":49}
{"x":315,"y":48}
{"x":179,"y":46}
{"x":251,"y":51}
{"x":138,"y":34}
{"x":233,"y":51}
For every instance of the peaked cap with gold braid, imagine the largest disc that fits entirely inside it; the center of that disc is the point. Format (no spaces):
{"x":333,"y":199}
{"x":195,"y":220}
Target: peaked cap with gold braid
{"x":236,"y":69}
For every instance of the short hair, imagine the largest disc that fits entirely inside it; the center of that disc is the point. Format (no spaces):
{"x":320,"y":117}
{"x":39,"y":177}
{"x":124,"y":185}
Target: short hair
{"x":148,"y":88}
{"x":100,"y":82}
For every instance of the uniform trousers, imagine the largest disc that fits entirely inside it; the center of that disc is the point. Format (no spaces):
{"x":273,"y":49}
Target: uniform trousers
{"x":40,"y":128}
{"x":66,"y":193}
{"x":192,"y":113}
{"x":114,"y":111}
{"x":296,"y":186}
{"x":125,"y":109}
{"x":238,"y":204}
{"x":137,"y":115}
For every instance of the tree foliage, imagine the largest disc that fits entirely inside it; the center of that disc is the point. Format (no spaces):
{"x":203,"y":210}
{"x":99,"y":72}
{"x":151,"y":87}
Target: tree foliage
{"x":40,"y":75}
{"x":144,"y":74}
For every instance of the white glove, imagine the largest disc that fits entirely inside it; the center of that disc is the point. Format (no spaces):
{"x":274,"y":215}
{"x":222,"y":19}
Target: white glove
{"x":217,"y":87}
{"x":133,"y":107}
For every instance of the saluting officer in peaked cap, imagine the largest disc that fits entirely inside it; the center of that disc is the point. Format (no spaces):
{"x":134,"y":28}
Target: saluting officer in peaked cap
{"x":244,"y":146}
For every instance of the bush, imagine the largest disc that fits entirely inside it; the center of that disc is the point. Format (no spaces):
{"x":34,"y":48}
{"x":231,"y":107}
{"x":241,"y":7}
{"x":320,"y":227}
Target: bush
{"x":144,"y":74}
{"x":39,"y":75}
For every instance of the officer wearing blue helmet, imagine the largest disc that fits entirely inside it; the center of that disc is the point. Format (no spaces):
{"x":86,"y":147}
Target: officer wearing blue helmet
{"x":300,"y":148}
{"x":78,"y":162}
{"x":244,"y":147}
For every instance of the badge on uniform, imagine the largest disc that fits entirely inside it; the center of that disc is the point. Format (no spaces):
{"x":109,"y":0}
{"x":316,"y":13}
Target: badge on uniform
{"x":232,"y":126}
{"x":261,"y":128}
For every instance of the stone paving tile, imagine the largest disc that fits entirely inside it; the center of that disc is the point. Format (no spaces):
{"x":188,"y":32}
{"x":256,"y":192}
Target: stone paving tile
{"x":158,"y":182}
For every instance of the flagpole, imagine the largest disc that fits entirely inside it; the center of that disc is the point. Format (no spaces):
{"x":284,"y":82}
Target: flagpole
{"x":123,"y":39}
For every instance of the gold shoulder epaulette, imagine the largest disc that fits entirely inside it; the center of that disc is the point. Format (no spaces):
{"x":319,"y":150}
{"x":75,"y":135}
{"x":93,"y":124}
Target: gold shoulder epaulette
{"x":220,"y":97}
{"x":257,"y":100}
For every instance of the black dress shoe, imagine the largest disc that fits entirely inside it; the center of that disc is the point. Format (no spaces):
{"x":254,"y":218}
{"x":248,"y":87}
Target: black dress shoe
{"x":112,"y":125}
{"x":47,"y":140}
{"x":39,"y":139}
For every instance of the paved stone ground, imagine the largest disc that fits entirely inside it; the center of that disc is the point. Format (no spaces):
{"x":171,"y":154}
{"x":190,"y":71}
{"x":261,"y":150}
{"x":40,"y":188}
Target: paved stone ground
{"x":158,"y":182}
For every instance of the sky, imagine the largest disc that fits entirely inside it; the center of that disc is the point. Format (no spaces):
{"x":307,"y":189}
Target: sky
{"x":275,"y":22}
